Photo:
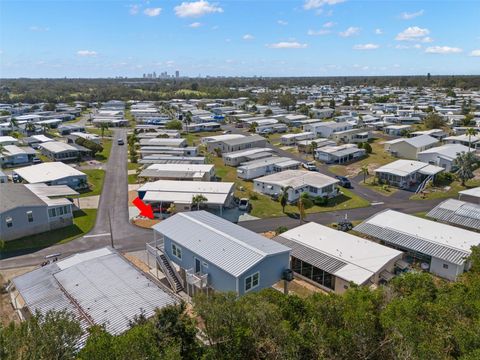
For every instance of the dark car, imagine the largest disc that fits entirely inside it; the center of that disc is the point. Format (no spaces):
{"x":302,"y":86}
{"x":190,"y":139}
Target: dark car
{"x":344,"y":182}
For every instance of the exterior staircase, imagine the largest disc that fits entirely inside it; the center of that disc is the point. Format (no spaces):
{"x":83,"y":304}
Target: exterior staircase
{"x":169,"y":272}
{"x":423,"y":184}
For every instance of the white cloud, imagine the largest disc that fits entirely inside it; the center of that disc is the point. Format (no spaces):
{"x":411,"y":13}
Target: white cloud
{"x":378,"y":31}
{"x":287,"y":45}
{"x":443,"y":50}
{"x":318,"y":32}
{"x":248,"y":37}
{"x":414,"y":33}
{"x":408,"y":16}
{"x":282,"y":22}
{"x":475,"y":53}
{"x":152,"y":11}
{"x":350,"y":31}
{"x":402,"y":46}
{"x":315,"y":4}
{"x":196,"y":9}
{"x":38,"y":29}
{"x":134,"y":9}
{"x":195,"y":25}
{"x":86,"y":53}
{"x":366,"y":46}
{"x":329,"y":24}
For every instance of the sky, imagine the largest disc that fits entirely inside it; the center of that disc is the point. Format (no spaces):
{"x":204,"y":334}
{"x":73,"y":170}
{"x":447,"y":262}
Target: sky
{"x":86,"y":38}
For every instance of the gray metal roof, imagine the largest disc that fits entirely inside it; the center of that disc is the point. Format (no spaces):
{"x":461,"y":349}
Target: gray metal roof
{"x":417,"y":244}
{"x":220,"y":242}
{"x":311,"y":256}
{"x":98,"y":287}
{"x":17,"y":195}
{"x":457,"y":212}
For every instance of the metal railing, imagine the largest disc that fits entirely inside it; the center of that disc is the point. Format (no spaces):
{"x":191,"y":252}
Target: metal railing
{"x":157,"y":253}
{"x":200,"y":281}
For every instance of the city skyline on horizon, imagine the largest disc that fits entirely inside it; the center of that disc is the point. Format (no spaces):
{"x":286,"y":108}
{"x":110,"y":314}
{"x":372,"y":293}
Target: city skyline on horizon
{"x":309,"y":38}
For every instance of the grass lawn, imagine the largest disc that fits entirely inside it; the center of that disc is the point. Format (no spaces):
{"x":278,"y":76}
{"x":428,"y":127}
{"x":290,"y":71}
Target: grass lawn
{"x":263,"y":206}
{"x":194,"y":139}
{"x":132,"y":178}
{"x":98,"y":131}
{"x":377,"y":158}
{"x":82,"y":223}
{"x":95,"y":180}
{"x":385,"y":190}
{"x":132,"y":166}
{"x":43,"y":157}
{"x":446,"y":191}
{"x":107,"y":147}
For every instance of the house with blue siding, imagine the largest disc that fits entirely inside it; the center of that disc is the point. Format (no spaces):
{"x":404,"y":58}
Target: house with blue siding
{"x":213,"y":253}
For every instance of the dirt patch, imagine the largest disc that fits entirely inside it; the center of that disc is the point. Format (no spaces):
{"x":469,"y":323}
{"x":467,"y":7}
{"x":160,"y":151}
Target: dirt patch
{"x":137,"y":262}
{"x":145,"y":223}
{"x":7,"y":312}
{"x":269,"y":234}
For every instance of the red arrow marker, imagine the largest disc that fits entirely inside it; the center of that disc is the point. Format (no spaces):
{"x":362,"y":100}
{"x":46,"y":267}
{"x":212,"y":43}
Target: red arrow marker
{"x":145,"y":210}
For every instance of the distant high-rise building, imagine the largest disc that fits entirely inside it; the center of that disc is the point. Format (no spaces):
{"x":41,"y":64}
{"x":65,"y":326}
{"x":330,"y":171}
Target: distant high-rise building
{"x":177,"y":74}
{"x":144,"y":75}
{"x":154,"y":75}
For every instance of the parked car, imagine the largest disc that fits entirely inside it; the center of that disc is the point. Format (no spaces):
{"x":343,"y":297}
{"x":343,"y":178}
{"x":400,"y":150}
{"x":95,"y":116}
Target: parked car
{"x":36,"y":160}
{"x":244,"y":204}
{"x":310,"y":166}
{"x":227,"y":132}
{"x":344,"y":181}
{"x":120,"y":142}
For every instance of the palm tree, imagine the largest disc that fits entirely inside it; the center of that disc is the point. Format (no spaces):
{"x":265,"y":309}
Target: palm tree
{"x":253,"y":127}
{"x":13,"y":123}
{"x":470,"y":132}
{"x":284,"y":197}
{"x":314,"y":146}
{"x":188,"y":119}
{"x":365,"y":173}
{"x":465,"y":162}
{"x":303,"y":204}
{"x":30,"y":127}
{"x":45,"y":128}
{"x":197,"y":200}
{"x":103,"y":127}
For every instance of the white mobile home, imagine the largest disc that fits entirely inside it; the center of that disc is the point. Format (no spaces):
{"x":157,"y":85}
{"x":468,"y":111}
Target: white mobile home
{"x":256,"y":168}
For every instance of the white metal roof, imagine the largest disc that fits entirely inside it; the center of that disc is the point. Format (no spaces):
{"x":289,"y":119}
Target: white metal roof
{"x":449,"y":151}
{"x":48,"y":171}
{"x":218,"y":241}
{"x":457,"y":212}
{"x":57,"y":146}
{"x":406,"y":167}
{"x":362,"y":258}
{"x":298,"y":179}
{"x":246,"y":152}
{"x":475,"y":192}
{"x":416,"y":141}
{"x":429,"y":237}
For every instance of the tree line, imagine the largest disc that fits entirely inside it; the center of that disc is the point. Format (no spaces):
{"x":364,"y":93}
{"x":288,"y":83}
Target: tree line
{"x":416,"y":316}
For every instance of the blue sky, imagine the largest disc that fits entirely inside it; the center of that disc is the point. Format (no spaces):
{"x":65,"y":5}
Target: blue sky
{"x":245,"y":37}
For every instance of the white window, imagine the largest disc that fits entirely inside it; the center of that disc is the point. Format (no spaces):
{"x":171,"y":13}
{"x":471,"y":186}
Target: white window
{"x":445,"y":266}
{"x":177,"y":251}
{"x":252,"y":281}
{"x":52,"y":212}
{"x":29,"y":216}
{"x":9,"y":221}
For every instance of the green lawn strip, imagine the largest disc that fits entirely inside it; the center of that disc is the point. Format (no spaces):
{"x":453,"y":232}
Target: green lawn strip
{"x":95,"y":180}
{"x":82,"y":223}
{"x":98,"y":131}
{"x":194,"y":138}
{"x":133,"y":166}
{"x":107,"y":148}
{"x":340,"y":170}
{"x":44,"y":158}
{"x":441,"y":192}
{"x":385,"y":190}
{"x":132,"y":178}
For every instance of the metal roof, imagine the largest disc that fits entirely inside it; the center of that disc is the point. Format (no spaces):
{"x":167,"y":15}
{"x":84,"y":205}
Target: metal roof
{"x":98,"y":287}
{"x":226,"y":245}
{"x":48,"y":171}
{"x":457,"y":212}
{"x":18,"y":195}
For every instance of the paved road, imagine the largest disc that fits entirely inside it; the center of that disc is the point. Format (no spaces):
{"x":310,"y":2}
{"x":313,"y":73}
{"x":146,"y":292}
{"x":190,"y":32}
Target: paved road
{"x":114,"y":200}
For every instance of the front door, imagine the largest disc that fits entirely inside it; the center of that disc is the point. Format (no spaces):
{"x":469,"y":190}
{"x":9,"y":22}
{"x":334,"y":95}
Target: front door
{"x":198,"y":266}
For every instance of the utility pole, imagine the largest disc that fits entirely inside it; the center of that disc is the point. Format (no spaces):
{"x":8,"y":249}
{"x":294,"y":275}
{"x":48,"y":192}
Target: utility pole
{"x":111,"y":233}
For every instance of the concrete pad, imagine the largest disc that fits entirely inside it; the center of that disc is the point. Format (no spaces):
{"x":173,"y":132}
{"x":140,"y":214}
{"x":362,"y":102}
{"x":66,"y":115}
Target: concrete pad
{"x":134,"y":187}
{"x":131,"y":172}
{"x":89,"y":202}
{"x":246,"y":217}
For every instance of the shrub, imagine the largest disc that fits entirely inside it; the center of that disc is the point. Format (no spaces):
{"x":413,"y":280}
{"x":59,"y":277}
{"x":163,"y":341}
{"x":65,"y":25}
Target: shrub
{"x":367,"y":147}
{"x":92,"y":146}
{"x":360,"y":145}
{"x":280,"y":229}
{"x":253,"y":196}
{"x":320,"y":200}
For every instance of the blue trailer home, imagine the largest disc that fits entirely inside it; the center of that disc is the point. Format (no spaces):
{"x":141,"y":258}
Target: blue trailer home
{"x":215,"y":254}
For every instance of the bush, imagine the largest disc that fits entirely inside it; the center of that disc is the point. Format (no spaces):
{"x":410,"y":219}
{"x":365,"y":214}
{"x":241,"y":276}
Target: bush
{"x":92,"y":146}
{"x":367,"y":147}
{"x":253,"y":196}
{"x":280,"y":229}
{"x":444,"y":178}
{"x":173,"y":125}
{"x":360,"y":145}
{"x":320,"y":200}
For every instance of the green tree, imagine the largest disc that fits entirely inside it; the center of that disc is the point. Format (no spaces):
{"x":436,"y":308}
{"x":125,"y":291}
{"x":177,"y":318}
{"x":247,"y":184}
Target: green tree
{"x":253,"y":126}
{"x":284,"y":197}
{"x":198,"y":200}
{"x":265,"y":98}
{"x":367,"y":147}
{"x":304,"y":109}
{"x":434,"y":121}
{"x":30,"y":127}
{"x":287,"y":100}
{"x":365,"y":172}
{"x":303,"y":203}
{"x":55,"y":335}
{"x":314,"y":146}
{"x":268,"y":112}
{"x":465,"y":163}
{"x":173,"y":125}
{"x":49,"y":107}
{"x":332,"y":104}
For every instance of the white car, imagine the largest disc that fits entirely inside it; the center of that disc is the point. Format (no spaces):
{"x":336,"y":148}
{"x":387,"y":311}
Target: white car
{"x":243,"y":204}
{"x":310,"y":166}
